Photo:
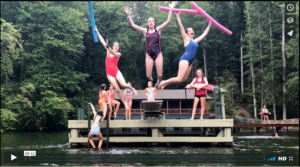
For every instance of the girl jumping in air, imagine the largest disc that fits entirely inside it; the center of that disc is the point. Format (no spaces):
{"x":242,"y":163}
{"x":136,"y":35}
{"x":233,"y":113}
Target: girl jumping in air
{"x":186,"y":60}
{"x":153,"y":46}
{"x":112,"y":71}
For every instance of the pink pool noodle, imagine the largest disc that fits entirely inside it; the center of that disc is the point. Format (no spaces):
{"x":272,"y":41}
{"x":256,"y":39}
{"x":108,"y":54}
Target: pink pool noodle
{"x":208,"y":87}
{"x":179,"y":10}
{"x":203,"y":13}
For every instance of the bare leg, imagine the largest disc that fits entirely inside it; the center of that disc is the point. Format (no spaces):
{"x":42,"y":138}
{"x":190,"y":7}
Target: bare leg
{"x":123,"y":83}
{"x":196,"y":101}
{"x":182,"y":72}
{"x":159,"y":68}
{"x":91,"y":140}
{"x":117,"y":108}
{"x":113,"y":81}
{"x":100,"y":139}
{"x":264,"y":119}
{"x":129,"y":110}
{"x":268,"y":119}
{"x":202,"y":101}
{"x":149,"y":66}
{"x":188,"y":73}
{"x":126,"y":110}
{"x":110,"y":109}
{"x":104,"y":109}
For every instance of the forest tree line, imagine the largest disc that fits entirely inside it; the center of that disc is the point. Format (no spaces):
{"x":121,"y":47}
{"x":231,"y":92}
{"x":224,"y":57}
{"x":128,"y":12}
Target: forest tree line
{"x":50,"y":64}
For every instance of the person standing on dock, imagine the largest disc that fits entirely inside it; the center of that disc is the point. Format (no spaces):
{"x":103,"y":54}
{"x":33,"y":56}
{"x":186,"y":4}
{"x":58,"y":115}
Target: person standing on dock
{"x":265,"y":113}
{"x":150,"y":92}
{"x":200,"y":95}
{"x":112,"y":103}
{"x":103,"y":99}
{"x":95,"y":129}
{"x":128,"y":100}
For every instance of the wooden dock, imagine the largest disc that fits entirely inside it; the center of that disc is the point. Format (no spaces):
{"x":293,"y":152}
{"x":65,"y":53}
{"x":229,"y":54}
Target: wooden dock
{"x":224,"y":134}
{"x":221,"y":125}
{"x":237,"y":127}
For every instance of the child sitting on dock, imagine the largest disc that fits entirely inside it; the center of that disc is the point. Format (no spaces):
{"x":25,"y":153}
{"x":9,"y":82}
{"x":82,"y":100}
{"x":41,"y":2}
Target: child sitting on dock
{"x":150,"y":92}
{"x":95,"y":129}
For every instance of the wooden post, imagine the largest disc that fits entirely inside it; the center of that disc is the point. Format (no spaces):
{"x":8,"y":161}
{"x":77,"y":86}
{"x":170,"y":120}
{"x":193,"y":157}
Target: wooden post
{"x":140,"y":107}
{"x":154,"y":132}
{"x":227,"y":132}
{"x":223,"y":103}
{"x":167,"y":107}
{"x":180,"y":107}
{"x":74,"y":133}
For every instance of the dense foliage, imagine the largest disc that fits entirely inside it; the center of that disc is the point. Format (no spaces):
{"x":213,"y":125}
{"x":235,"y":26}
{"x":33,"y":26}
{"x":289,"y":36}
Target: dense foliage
{"x":50,"y":64}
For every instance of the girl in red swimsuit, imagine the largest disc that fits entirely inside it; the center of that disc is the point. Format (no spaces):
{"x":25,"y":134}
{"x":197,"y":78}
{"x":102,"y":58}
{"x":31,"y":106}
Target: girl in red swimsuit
{"x":153,"y":48}
{"x":200,"y":94}
{"x":112,"y":71}
{"x":103,"y":100}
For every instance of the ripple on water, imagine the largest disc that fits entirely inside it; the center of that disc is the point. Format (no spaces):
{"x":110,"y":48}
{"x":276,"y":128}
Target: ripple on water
{"x":67,"y":145}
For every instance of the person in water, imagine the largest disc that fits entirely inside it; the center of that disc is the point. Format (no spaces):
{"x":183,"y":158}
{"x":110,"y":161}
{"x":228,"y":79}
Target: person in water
{"x":112,"y":103}
{"x":186,"y":60}
{"x":128,"y":101}
{"x":95,"y":129}
{"x":153,"y":45}
{"x":111,"y":65}
{"x":275,"y":134}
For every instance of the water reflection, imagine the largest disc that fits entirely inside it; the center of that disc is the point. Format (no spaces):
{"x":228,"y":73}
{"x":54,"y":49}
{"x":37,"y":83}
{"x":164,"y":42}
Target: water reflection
{"x":244,"y":143}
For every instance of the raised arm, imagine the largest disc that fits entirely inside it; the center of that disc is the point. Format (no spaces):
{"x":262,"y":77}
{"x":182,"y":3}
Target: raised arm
{"x":182,"y":31}
{"x":138,"y":28}
{"x":204,"y":33}
{"x":100,"y":38}
{"x":164,"y":25}
{"x":93,"y":108}
{"x":117,"y":54}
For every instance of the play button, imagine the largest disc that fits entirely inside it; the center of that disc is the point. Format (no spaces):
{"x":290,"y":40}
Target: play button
{"x":15,"y":157}
{"x":12,"y":157}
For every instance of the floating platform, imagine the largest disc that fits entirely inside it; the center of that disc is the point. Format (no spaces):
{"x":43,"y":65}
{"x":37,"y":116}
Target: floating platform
{"x":156,"y":129}
{"x":224,"y":135}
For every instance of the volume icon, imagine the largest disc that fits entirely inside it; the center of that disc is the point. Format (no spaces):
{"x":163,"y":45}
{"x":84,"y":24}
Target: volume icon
{"x":272,"y":159}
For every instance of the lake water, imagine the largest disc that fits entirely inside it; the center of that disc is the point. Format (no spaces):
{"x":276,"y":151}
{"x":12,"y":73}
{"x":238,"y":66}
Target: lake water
{"x":246,"y":144}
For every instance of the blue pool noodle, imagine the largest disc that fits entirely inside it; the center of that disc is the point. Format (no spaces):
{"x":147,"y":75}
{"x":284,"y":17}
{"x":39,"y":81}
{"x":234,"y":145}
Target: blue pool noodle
{"x":92,"y":20}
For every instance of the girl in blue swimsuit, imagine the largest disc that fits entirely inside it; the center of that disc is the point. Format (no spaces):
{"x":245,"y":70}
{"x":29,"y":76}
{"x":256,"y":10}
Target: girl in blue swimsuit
{"x":128,"y":100}
{"x":95,"y":129}
{"x":186,"y":60}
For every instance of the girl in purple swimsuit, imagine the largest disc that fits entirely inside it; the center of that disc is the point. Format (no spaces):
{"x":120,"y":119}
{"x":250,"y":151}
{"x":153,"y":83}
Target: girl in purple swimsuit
{"x":153,"y":48}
